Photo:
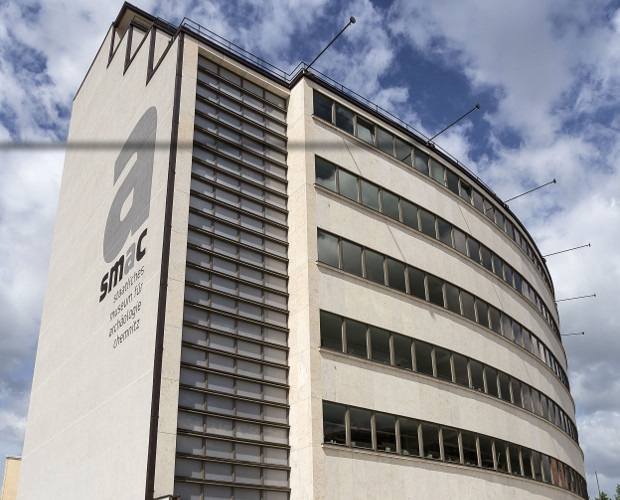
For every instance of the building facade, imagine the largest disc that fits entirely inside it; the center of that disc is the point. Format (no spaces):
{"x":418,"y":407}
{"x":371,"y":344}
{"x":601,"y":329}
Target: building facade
{"x":263,"y":287}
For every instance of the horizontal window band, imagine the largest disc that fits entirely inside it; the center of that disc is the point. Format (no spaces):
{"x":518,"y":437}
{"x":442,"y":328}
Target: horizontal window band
{"x":235,"y":316}
{"x":227,"y":395}
{"x":233,"y":440}
{"x":244,"y":486}
{"x":234,"y":418}
{"x":235,"y":356}
{"x":283,"y":310}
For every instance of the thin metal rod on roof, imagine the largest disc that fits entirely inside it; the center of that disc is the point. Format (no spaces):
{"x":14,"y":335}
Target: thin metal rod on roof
{"x":530,"y":191}
{"x":477,"y":106}
{"x":570,"y":334}
{"x":567,"y":250}
{"x":351,"y":21}
{"x":575,"y":298}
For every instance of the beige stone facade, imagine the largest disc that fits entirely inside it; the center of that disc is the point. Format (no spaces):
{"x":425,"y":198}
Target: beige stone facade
{"x":271,"y":198}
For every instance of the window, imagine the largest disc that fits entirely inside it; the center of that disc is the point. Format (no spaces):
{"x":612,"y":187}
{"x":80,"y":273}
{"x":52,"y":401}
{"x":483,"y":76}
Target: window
{"x":442,"y":364}
{"x":396,"y":275}
{"x":504,"y":386}
{"x":470,"y":452}
{"x":438,"y":172}
{"x":385,"y":432}
{"x":421,"y":162}
{"x":403,"y":151}
{"x":477,"y":378}
{"x":365,"y":131}
{"x":390,"y":205}
{"x":331,"y":331}
{"x":487,"y":259}
{"x":374,"y":267}
{"x":430,"y":441}
{"x":325,"y":173}
{"x":416,"y":283}
{"x":323,"y":107}
{"x":450,"y":439}
{"x":491,"y":378}
{"x":478,"y":200}
{"x":344,"y":118}
{"x":352,"y":258}
{"x":348,"y":185}
{"x":474,"y":250}
{"x":410,"y":214}
{"x":516,"y":392}
{"x":370,"y":195}
{"x":460,"y":241}
{"x":507,"y":327}
{"x":452,"y":181}
{"x":385,"y":141}
{"x":402,"y":351}
{"x":486,"y":452}
{"x":482,"y":310}
{"x":334,"y":425}
{"x":423,"y":357}
{"x":361,"y":435}
{"x":427,"y":223}
{"x":466,"y":191}
{"x":445,"y":231}
{"x":498,"y":266}
{"x":356,"y":338}
{"x":435,"y":290}
{"x":380,"y":345}
{"x":495,"y":320}
{"x":501,"y":456}
{"x":469,"y":310}
{"x":526,"y":456}
{"x":328,"y":248}
{"x":452,"y":298}
{"x":527,"y":398}
{"x":409,"y":441}
{"x":460,"y":370}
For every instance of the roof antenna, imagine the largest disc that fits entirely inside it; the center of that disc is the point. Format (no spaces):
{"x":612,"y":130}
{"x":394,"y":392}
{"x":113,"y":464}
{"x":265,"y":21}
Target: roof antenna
{"x":567,"y":250}
{"x":351,"y":21}
{"x":530,"y":191}
{"x":477,"y":106}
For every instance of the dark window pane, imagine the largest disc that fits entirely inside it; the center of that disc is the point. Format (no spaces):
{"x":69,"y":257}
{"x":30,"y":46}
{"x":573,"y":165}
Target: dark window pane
{"x":499,"y":218}
{"x":555,"y":475}
{"x":344,"y":118}
{"x":451,"y":445}
{"x":544,"y":407}
{"x":498,"y":266}
{"x":510,"y":230}
{"x":430,"y":441}
{"x":370,"y":195}
{"x":504,"y":386}
{"x":374,"y":267}
{"x":427,"y":221}
{"x":469,"y":309}
{"x":331,"y":331}
{"x":410,"y":214}
{"x":518,"y":282}
{"x":537,"y":465}
{"x":356,"y":338}
{"x":442,"y":363}
{"x":489,"y":210}
{"x":360,"y":428}
{"x":526,"y":339}
{"x":452,"y":181}
{"x":396,"y":275}
{"x":323,"y":106}
{"x":507,"y":326}
{"x":402,"y":351}
{"x":435,"y":290}
{"x":416,"y":283}
{"x":325,"y":173}
{"x":385,"y":141}
{"x":328,"y":248}
{"x":348,"y":185}
{"x":546,"y":468}
{"x":515,"y":464}
{"x":423,"y":357}
{"x":352,"y":258}
{"x":526,"y":457}
{"x":390,"y":205}
{"x":380,"y":345}
{"x":482,"y":309}
{"x":421,"y":162}
{"x":495,"y":320}
{"x":334,"y":428}
{"x":478,"y":200}
{"x":460,"y":241}
{"x":536,"y":401}
{"x":445,"y":231}
{"x":517,"y":332}
{"x":500,"y":455}
{"x":516,"y":392}
{"x":527,"y":397}
{"x":385,"y":426}
{"x":487,"y":258}
{"x":366,"y":131}
{"x":474,"y":250}
{"x":477,"y":380}
{"x":403,"y":151}
{"x":491,"y":376}
{"x":438,"y":172}
{"x":409,"y":442}
{"x":460,"y":369}
{"x":452,"y":298}
{"x":486,"y":452}
{"x":508,"y":274}
{"x":470,"y":453}
{"x":466,"y":191}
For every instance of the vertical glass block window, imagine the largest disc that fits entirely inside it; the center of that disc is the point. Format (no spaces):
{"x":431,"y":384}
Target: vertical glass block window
{"x":470,"y":451}
{"x":380,"y":345}
{"x":409,"y":440}
{"x":421,"y":162}
{"x":370,"y":195}
{"x":435,"y":290}
{"x":325,"y":173}
{"x":344,"y":118}
{"x":486,"y":452}
{"x":356,"y":338}
{"x":423,"y":357}
{"x":396,"y":275}
{"x":402,"y":351}
{"x":331,"y":331}
{"x":323,"y":106}
{"x":427,"y":222}
{"x":385,"y":141}
{"x":430,"y":441}
{"x":348,"y":185}
{"x":328,"y":248}
{"x":442,"y":363}
{"x":361,"y":435}
{"x":365,"y":131}
{"x":460,"y":369}
{"x":334,"y":423}
{"x":352,"y":258}
{"x":390,"y":205}
{"x":410,"y":214}
{"x":374,"y":267}
{"x":416,"y":283}
{"x":450,"y":441}
{"x":385,"y":426}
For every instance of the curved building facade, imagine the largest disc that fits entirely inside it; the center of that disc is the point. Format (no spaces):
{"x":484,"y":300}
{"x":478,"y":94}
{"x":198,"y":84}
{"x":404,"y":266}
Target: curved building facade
{"x":282,"y":292}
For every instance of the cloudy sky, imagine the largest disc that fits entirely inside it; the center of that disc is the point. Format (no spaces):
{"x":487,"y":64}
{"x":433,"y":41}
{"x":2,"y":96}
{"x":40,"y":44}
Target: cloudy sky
{"x":546,"y":74}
